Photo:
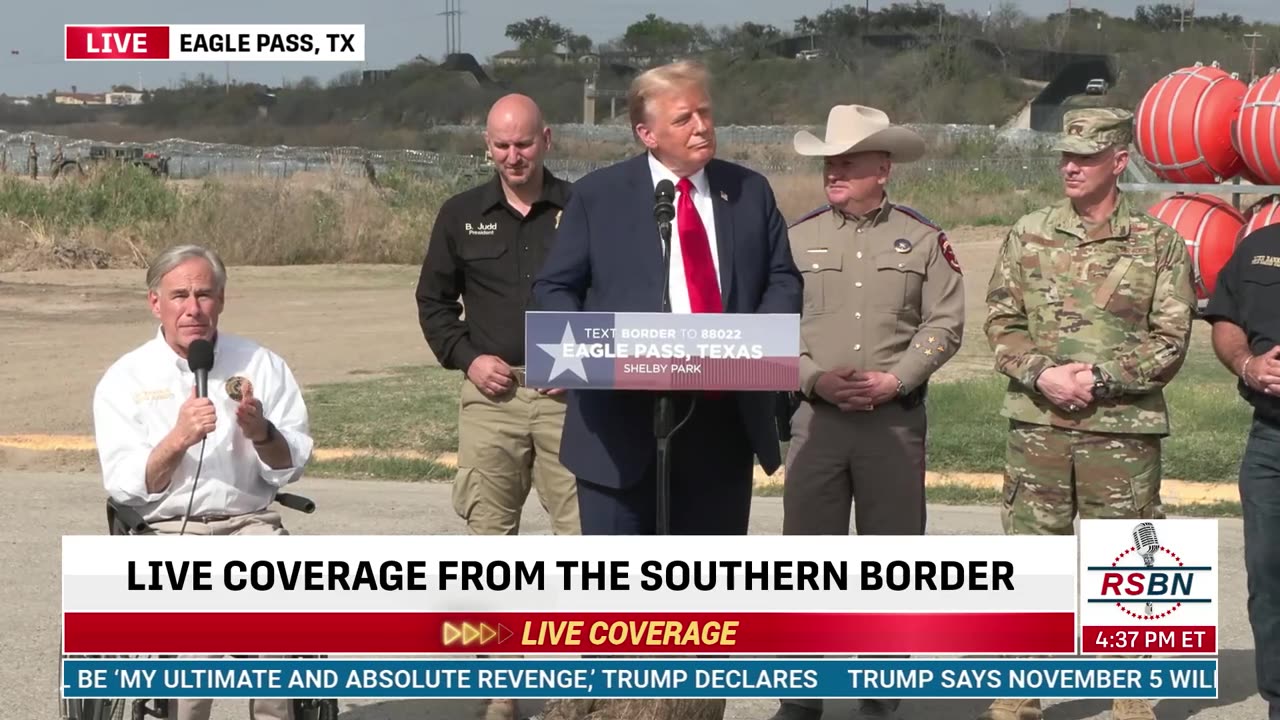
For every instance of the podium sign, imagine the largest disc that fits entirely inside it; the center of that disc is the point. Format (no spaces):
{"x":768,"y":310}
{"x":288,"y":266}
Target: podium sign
{"x":662,"y":351}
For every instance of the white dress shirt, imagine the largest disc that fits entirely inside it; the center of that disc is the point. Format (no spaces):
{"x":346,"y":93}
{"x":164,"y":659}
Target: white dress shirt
{"x":136,"y":405}
{"x":702,"y":203}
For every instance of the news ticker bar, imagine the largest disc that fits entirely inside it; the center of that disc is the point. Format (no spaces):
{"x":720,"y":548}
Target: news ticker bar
{"x":221,"y":43}
{"x":382,"y":633}
{"x":626,"y":678}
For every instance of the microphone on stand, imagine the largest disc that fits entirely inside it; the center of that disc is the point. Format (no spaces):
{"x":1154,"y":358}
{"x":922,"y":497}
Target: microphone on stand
{"x":664,"y":211}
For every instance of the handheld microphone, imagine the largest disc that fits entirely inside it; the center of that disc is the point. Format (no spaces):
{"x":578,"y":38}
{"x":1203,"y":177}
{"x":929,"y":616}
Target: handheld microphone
{"x":200,"y":361}
{"x":1146,"y":543}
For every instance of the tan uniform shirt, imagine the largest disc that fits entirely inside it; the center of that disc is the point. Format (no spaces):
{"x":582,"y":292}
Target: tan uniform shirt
{"x":881,"y":293}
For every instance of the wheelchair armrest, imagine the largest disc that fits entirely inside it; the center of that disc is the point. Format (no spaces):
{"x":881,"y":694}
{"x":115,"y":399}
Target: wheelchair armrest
{"x":296,"y":502}
{"x":124,"y":520}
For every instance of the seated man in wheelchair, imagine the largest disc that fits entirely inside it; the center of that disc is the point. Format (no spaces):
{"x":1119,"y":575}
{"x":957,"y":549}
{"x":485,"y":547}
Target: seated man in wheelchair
{"x":186,"y":450}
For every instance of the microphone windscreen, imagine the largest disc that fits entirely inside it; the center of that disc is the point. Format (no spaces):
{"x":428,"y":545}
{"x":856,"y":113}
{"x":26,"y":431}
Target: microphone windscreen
{"x":666,"y":190}
{"x":200,"y":355}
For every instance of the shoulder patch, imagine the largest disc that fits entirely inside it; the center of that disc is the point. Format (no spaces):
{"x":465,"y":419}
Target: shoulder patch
{"x":948,"y":253}
{"x":917,"y":216}
{"x":810,"y":215}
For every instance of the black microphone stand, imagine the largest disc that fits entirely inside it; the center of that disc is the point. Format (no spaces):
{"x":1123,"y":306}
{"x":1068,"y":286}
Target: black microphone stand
{"x":664,"y":412}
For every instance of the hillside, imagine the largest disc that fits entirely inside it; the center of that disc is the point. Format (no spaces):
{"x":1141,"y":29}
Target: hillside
{"x":918,"y":62}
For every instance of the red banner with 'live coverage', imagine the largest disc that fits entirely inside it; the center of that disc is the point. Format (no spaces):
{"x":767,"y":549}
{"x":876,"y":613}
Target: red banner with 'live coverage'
{"x":1043,"y":633}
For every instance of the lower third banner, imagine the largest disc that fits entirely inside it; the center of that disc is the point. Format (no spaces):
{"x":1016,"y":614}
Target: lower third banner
{"x":636,"y":678}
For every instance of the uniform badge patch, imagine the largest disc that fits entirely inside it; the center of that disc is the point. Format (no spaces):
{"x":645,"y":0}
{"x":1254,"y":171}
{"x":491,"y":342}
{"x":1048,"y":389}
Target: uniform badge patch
{"x":948,"y":253}
{"x":236,"y":386}
{"x":902,"y":245}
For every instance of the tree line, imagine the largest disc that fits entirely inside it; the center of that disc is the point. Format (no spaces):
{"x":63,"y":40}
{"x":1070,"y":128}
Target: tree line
{"x":918,"y":61}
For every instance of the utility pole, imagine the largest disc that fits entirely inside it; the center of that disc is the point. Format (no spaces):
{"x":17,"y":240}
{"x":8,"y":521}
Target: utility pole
{"x":453,"y":26}
{"x":1253,"y":52}
{"x":1183,"y":16}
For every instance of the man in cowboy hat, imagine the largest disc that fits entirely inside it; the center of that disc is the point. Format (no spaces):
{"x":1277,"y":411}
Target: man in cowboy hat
{"x":1089,"y":312}
{"x":883,"y":310}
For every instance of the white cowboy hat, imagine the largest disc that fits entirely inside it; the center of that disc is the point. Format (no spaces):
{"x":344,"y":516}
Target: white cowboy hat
{"x":858,"y":128}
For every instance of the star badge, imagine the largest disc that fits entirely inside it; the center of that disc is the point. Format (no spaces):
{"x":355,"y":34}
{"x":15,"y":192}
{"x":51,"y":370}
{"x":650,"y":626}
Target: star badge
{"x":235,"y":387}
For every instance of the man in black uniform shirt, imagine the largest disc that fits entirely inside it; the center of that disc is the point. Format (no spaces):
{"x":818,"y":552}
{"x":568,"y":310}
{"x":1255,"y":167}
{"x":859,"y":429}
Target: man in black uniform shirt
{"x":1245,"y":312}
{"x":486,"y":247}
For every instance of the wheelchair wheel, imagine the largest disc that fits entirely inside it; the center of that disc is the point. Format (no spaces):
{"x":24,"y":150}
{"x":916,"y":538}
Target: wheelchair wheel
{"x":95,"y":709}
{"x":315,"y":709}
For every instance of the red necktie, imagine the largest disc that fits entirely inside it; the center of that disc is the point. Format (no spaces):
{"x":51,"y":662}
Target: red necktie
{"x":695,"y":250}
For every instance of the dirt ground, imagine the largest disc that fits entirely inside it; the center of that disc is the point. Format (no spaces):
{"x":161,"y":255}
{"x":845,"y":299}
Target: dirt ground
{"x":61,"y":329}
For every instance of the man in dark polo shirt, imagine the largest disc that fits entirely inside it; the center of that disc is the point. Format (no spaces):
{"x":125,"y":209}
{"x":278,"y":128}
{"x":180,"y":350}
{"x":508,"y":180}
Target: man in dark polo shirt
{"x":1245,"y":312}
{"x":486,"y":247}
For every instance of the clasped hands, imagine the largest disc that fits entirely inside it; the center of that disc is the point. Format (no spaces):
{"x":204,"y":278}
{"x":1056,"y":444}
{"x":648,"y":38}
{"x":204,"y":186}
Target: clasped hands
{"x":1069,"y":386}
{"x":1262,"y":372}
{"x":853,"y":390}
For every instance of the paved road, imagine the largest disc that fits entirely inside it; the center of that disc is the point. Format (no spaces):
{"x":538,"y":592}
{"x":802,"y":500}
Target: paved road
{"x":43,"y":507}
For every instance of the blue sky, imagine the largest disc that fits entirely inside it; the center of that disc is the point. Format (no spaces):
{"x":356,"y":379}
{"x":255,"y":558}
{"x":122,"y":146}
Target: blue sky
{"x":397,"y":30}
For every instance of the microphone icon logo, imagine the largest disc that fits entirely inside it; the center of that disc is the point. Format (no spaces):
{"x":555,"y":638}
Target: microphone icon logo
{"x":1146,"y":543}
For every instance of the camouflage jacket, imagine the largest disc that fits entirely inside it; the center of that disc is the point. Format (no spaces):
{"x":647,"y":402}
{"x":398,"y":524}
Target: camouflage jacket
{"x":1121,"y":300}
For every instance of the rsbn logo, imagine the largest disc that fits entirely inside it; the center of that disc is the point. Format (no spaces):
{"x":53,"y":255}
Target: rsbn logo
{"x":1156,"y":588}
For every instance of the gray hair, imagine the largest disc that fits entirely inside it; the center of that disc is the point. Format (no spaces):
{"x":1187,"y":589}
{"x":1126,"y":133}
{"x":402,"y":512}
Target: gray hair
{"x":175,"y":256}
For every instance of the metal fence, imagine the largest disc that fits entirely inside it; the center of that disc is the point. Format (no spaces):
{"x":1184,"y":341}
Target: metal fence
{"x":1020,"y":154}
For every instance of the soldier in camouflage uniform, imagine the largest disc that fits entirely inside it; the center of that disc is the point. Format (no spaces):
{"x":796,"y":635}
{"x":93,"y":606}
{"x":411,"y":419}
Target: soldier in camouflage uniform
{"x":1090,"y":308}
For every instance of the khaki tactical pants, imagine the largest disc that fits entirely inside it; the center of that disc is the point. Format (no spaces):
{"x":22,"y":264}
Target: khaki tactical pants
{"x":506,"y":446}
{"x":259,"y":523}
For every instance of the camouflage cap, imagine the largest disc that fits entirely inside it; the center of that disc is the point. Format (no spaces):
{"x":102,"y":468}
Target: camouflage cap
{"x":1089,"y":131}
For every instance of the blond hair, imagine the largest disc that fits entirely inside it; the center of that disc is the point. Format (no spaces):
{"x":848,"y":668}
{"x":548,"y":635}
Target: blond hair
{"x":677,"y":75}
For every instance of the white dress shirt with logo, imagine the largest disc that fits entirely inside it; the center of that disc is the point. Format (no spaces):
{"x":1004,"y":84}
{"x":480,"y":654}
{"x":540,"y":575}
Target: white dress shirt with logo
{"x":136,"y":405}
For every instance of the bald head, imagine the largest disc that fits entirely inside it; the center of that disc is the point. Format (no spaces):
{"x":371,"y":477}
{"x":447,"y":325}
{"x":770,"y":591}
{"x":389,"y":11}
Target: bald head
{"x":515,"y":109}
{"x":518,"y":139}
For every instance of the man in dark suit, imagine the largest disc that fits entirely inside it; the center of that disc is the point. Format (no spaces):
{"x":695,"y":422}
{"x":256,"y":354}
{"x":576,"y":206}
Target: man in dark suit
{"x":729,"y":253}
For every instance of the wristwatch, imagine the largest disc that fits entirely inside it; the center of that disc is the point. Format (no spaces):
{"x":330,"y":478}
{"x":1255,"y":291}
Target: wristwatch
{"x":1100,"y":384}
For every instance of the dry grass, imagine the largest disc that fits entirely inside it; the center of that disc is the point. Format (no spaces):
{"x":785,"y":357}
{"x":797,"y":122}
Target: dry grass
{"x":120,"y":217}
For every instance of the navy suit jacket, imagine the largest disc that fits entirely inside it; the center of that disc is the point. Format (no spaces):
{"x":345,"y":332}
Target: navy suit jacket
{"x":607,"y":257}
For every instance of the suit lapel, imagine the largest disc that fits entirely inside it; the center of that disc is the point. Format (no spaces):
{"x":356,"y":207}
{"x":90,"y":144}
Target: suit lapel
{"x":721,"y":200}
{"x":649,"y":247}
